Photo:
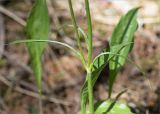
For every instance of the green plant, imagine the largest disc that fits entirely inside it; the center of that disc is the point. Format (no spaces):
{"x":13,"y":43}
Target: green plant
{"x":120,"y":45}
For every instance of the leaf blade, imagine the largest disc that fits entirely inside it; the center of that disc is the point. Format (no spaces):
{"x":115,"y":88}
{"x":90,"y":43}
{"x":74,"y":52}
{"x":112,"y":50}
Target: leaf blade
{"x":124,"y":32}
{"x":37,"y":28}
{"x":116,"y":108}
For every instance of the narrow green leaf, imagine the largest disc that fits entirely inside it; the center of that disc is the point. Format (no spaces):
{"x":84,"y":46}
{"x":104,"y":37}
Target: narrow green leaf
{"x":123,"y":33}
{"x":37,"y":28}
{"x":45,"y":41}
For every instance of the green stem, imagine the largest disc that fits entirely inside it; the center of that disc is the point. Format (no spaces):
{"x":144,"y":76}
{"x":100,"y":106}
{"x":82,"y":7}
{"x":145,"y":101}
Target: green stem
{"x":89,"y":21}
{"x":90,"y":93}
{"x":76,"y":31}
{"x":90,"y":51}
{"x":40,"y":102}
{"x":83,"y":107}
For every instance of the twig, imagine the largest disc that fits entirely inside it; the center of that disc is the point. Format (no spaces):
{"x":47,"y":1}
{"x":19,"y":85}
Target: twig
{"x":2,"y":35}
{"x":33,"y":94}
{"x":13,"y":60}
{"x":53,"y":14}
{"x":12,"y":15}
{"x":3,"y":112}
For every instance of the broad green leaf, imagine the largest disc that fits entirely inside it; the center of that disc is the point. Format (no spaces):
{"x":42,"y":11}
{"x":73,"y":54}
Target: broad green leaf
{"x":112,"y":107}
{"x":37,"y":28}
{"x":123,"y":33}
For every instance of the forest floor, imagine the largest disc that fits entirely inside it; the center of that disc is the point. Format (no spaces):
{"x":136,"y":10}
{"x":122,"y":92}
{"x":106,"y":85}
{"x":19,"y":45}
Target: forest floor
{"x":63,"y":73}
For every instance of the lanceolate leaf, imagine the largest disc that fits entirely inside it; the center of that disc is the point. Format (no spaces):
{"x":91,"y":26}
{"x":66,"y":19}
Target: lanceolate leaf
{"x":37,"y":28}
{"x":123,"y":33}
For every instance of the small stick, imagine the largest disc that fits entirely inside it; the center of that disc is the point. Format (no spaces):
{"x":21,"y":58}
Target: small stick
{"x":2,"y":35}
{"x":33,"y":94}
{"x":12,"y":15}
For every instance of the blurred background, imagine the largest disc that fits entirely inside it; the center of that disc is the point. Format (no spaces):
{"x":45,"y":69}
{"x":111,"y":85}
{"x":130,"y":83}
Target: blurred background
{"x":63,"y":74}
